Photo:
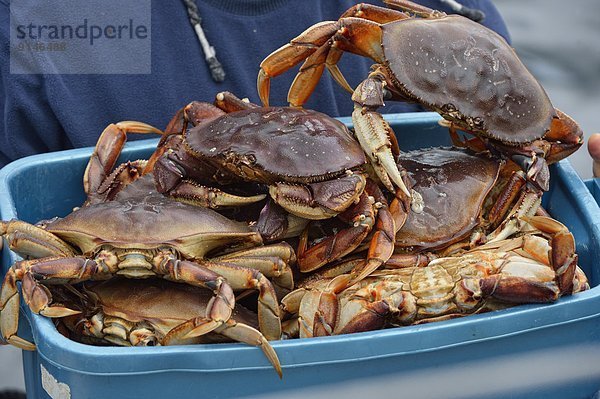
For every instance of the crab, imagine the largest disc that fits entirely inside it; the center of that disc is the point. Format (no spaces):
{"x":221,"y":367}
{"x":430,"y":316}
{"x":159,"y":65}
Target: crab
{"x":463,"y":195}
{"x":139,"y":234}
{"x":448,"y":63}
{"x":151,"y":312}
{"x":313,"y":167}
{"x":538,"y":267}
{"x":460,"y":199}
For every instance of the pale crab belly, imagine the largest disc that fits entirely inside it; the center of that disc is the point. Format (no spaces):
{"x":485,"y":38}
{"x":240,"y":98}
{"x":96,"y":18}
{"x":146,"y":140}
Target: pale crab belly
{"x":433,"y":287}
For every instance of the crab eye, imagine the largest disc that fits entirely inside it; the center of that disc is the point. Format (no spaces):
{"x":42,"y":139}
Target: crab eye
{"x":448,"y":108}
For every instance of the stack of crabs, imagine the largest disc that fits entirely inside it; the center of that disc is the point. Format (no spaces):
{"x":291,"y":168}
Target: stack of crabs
{"x":317,"y":229}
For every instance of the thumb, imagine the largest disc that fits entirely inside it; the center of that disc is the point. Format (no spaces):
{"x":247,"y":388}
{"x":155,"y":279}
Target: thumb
{"x":594,"y":150}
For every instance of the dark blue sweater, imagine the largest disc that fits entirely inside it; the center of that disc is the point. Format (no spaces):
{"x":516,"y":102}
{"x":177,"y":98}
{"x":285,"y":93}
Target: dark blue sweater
{"x":50,"y":112}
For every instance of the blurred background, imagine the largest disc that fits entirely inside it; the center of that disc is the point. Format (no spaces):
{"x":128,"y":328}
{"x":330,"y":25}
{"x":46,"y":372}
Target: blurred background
{"x":558,"y":41}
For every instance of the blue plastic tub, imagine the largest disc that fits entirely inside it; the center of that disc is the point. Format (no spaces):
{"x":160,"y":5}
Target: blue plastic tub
{"x":532,"y":351}
{"x":594,"y":186}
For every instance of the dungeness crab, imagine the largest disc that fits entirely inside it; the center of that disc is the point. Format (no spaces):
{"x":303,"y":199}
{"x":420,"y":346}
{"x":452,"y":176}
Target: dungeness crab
{"x":151,"y":312}
{"x":538,"y":267}
{"x":448,"y":63}
{"x":138,"y":234}
{"x":312,"y":165}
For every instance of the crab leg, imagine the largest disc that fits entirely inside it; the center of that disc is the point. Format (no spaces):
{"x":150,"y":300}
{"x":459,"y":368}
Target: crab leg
{"x":371,"y":211}
{"x":507,"y":197}
{"x":174,"y":180}
{"x":323,"y":45}
{"x":527,"y":205}
{"x":171,"y":180}
{"x":190,"y":192}
{"x":291,"y":54}
{"x":309,"y":75}
{"x":389,"y":221}
{"x":107,"y":151}
{"x":9,"y":313}
{"x":28,"y":240}
{"x":36,"y":295}
{"x":220,"y":308}
{"x":362,"y":217}
{"x":236,"y":331}
{"x":327,"y":308}
{"x":565,"y":137}
{"x":563,"y":258}
{"x":271,"y":260}
{"x":242,"y":278}
{"x":229,"y":102}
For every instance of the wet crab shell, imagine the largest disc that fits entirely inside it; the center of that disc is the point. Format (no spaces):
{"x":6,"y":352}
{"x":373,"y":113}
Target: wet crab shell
{"x":277,"y":143}
{"x":151,"y":221}
{"x":453,"y":185}
{"x":469,"y":75}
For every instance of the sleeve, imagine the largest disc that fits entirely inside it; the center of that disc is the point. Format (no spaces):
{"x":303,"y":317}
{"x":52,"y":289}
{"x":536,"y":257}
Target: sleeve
{"x":26,"y":119}
{"x":493,"y":19}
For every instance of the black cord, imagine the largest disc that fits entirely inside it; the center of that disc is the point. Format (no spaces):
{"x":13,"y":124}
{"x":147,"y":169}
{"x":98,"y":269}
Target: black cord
{"x":216,"y":69}
{"x":471,"y":13}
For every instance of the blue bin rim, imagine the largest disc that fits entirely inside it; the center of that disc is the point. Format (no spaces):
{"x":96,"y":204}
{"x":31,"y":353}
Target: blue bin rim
{"x":67,"y":354}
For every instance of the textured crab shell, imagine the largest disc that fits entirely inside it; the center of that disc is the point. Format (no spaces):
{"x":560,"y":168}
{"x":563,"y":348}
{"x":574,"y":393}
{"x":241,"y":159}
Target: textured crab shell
{"x":151,"y":221}
{"x":162,"y":303}
{"x":469,"y":74}
{"x":453,"y":184}
{"x":277,"y":143}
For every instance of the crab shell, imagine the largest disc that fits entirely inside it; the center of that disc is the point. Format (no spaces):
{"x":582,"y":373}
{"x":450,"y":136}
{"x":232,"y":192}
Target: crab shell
{"x":160,"y":304}
{"x":151,"y":221}
{"x":451,"y":186}
{"x":468,"y":74}
{"x":277,"y":143}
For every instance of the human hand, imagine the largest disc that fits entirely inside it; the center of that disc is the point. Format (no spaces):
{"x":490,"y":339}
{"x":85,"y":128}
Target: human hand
{"x":594,"y":150}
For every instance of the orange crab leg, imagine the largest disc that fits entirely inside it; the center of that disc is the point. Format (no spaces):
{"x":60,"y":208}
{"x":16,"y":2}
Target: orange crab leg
{"x":374,"y":13}
{"x":36,"y":295}
{"x":565,"y":137}
{"x":291,"y":54}
{"x":371,"y":211}
{"x":389,"y":221}
{"x":563,"y":258}
{"x":309,"y":75}
{"x":415,"y":8}
{"x":9,"y":312}
{"x":107,"y":151}
{"x":356,"y":35}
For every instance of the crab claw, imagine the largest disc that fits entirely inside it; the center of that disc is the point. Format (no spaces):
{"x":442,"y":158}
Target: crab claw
{"x":373,"y":133}
{"x":9,"y":313}
{"x":565,"y":137}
